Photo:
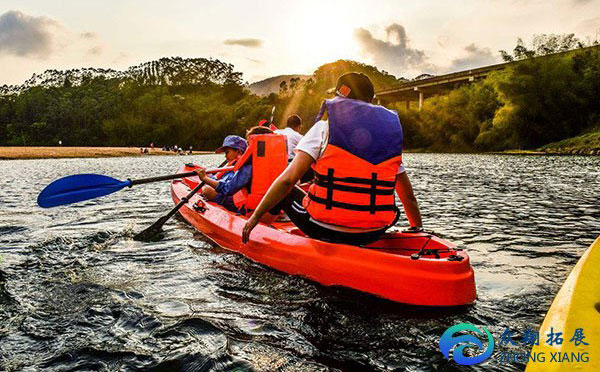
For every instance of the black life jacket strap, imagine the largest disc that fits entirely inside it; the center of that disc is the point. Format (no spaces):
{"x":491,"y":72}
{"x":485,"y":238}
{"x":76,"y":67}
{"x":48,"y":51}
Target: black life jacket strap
{"x":360,"y":181}
{"x":359,"y":190}
{"x":353,"y":207}
{"x":329,"y":201}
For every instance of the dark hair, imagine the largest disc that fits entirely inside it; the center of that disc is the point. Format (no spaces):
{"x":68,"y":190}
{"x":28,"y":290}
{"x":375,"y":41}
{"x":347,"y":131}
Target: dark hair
{"x":294,"y":121}
{"x":258,"y":130}
{"x":355,"y":85}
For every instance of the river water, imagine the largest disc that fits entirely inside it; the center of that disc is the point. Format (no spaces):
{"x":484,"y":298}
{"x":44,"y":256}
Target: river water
{"x":76,"y":292}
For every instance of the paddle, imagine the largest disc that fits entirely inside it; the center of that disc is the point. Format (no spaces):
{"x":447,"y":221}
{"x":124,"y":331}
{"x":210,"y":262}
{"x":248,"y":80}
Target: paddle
{"x":155,"y":228}
{"x":80,"y":187}
{"x":272,"y":113}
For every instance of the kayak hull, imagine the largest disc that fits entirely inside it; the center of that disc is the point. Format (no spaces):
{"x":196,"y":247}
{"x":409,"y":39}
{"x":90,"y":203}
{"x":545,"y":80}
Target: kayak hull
{"x":384,"y":268}
{"x":576,"y":305}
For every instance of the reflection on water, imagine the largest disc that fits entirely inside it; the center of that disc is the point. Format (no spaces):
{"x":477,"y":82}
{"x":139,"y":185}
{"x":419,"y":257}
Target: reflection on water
{"x":76,"y":292}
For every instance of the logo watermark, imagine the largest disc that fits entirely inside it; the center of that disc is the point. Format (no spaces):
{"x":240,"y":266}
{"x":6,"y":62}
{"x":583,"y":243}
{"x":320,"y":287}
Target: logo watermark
{"x":448,"y":341}
{"x":514,"y":347}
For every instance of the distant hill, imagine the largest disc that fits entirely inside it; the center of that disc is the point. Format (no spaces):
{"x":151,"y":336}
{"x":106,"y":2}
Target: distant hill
{"x":271,"y":85}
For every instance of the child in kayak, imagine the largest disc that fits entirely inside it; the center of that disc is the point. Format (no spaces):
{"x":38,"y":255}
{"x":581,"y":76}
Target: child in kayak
{"x":355,"y":150}
{"x":218,"y":186}
{"x":221,"y":188}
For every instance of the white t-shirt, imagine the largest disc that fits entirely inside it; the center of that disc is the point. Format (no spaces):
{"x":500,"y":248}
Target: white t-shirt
{"x":313,"y":143}
{"x":293,"y":138}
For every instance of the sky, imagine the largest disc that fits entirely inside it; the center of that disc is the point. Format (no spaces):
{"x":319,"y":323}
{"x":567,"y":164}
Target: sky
{"x":268,"y":38}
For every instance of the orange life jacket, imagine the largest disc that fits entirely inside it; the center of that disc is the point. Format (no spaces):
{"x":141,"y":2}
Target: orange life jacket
{"x":268,"y":154}
{"x":222,"y":173}
{"x":355,"y":177}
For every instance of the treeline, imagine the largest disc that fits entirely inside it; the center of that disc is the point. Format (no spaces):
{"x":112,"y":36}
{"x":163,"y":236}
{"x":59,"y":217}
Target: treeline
{"x":188,"y":102}
{"x":529,"y":104}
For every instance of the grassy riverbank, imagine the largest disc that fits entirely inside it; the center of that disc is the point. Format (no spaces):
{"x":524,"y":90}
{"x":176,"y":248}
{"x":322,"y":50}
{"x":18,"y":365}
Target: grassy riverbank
{"x":585,"y":144}
{"x":16,"y":152}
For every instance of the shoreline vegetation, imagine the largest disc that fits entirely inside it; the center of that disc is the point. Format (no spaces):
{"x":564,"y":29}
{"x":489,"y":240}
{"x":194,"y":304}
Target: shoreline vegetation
{"x":63,"y":152}
{"x":545,"y":103}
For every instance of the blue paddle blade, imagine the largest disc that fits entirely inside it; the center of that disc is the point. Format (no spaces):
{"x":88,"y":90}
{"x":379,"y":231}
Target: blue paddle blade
{"x":80,"y":187}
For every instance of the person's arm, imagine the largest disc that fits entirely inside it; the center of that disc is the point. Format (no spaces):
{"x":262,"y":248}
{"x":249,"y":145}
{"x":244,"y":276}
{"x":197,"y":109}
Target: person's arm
{"x":234,"y":184}
{"x":201,"y":172}
{"x":408,"y":199}
{"x":280,"y":188}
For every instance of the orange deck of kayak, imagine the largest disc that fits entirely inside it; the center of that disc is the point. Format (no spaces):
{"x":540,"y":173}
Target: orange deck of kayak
{"x":383,"y":268}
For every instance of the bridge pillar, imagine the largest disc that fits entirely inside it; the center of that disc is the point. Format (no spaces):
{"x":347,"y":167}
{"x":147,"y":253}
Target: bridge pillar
{"x":417,"y":89}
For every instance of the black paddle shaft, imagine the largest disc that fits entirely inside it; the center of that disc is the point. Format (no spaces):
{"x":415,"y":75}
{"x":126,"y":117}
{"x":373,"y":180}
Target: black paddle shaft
{"x":184,"y":200}
{"x":155,"y":228}
{"x":162,"y":178}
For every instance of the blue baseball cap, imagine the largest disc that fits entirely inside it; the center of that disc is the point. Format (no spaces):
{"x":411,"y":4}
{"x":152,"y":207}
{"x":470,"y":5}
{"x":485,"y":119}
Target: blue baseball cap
{"x":234,"y":142}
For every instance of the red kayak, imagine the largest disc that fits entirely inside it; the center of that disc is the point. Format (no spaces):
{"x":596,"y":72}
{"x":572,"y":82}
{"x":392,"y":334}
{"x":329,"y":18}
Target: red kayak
{"x":411,"y":268}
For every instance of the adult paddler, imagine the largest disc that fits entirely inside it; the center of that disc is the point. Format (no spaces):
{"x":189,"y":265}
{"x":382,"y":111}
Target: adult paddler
{"x":355,"y":149}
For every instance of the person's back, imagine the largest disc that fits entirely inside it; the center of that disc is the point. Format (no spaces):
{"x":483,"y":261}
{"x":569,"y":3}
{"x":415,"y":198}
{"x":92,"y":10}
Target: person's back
{"x":356,"y":153}
{"x":355,"y":175}
{"x":292,"y":134}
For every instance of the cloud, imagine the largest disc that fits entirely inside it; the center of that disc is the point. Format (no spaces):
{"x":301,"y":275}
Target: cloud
{"x":95,"y":50}
{"x":393,"y":54}
{"x":23,"y":35}
{"x":255,"y":60}
{"x":442,"y":40}
{"x":473,"y":56}
{"x":88,"y":35}
{"x":122,"y":57}
{"x":248,"y":43}
{"x":396,"y":55}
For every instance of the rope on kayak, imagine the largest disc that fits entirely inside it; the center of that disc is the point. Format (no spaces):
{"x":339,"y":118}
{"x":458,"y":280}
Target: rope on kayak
{"x":426,"y":252}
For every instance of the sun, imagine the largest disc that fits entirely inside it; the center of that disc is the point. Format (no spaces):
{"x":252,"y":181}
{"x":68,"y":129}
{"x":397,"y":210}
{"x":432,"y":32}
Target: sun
{"x":319,"y":39}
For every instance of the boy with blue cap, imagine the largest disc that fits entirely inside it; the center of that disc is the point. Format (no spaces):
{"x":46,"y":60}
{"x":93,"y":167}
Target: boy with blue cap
{"x":221,"y":187}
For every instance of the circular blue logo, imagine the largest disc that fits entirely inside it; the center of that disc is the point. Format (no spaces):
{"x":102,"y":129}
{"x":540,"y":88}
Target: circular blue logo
{"x":449,"y":341}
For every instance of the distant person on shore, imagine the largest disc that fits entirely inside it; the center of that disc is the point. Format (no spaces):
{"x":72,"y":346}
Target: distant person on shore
{"x":292,"y":134}
{"x":151,"y":146}
{"x":355,"y":150}
{"x":190,"y":152}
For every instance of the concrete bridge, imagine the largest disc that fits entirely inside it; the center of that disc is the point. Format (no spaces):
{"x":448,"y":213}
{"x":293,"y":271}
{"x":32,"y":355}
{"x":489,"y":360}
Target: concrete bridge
{"x":419,"y":90}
